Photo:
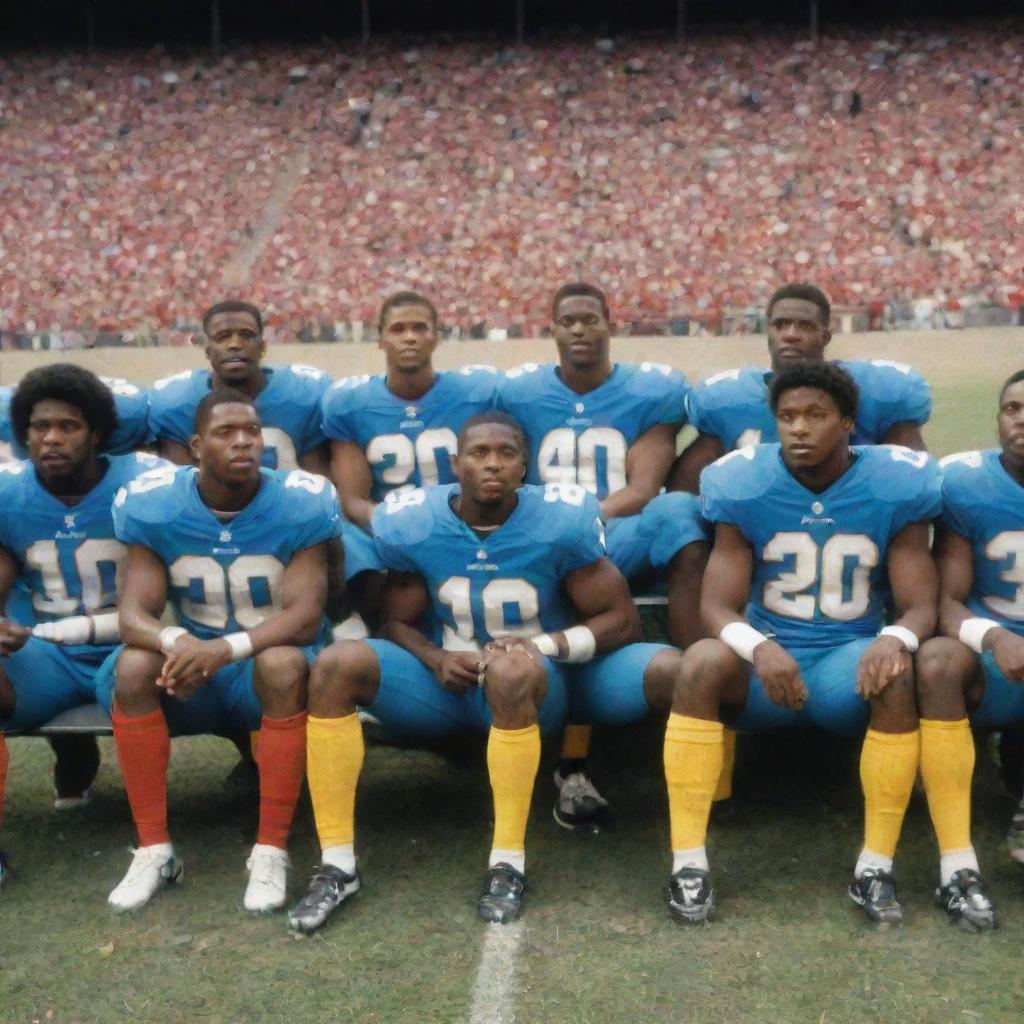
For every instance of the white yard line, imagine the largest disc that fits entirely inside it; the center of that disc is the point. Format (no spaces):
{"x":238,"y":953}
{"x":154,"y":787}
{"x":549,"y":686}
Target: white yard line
{"x":495,"y":988}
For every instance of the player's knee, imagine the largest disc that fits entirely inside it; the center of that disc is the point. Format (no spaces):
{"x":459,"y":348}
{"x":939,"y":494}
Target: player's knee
{"x":346,"y":672}
{"x":281,"y":673}
{"x":660,"y":678}
{"x":136,"y":674}
{"x":703,"y":670}
{"x":937,"y":671}
{"x":895,"y":708}
{"x":514,"y":680}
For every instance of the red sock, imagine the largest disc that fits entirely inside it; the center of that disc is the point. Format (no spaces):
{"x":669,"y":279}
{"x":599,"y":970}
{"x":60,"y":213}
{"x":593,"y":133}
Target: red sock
{"x":282,"y":761}
{"x":144,"y":748}
{"x":3,"y":773}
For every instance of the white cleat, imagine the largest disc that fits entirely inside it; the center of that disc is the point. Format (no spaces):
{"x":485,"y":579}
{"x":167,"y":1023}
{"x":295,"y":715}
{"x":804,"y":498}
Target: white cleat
{"x":268,"y":879}
{"x":152,"y":869}
{"x":71,"y":803}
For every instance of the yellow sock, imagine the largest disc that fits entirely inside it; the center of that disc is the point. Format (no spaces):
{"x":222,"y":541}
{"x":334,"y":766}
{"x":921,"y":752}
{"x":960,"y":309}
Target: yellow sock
{"x":888,"y":767}
{"x":724,"y":788}
{"x":334,"y":759}
{"x":947,"y":764}
{"x":513,"y":756}
{"x":575,"y":743}
{"x":694,"y":756}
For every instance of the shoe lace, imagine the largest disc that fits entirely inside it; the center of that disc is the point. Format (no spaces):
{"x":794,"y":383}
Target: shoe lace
{"x":577,"y":788}
{"x":144,"y":860}
{"x":264,"y":867}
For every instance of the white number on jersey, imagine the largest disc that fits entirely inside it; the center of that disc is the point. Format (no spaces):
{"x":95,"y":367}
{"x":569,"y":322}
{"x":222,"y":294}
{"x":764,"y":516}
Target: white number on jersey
{"x":277,"y":441}
{"x":571,"y":494}
{"x":567,"y":458}
{"x":900,"y":367}
{"x":228,"y":592}
{"x":119,"y":386}
{"x":91,"y":558}
{"x":395,"y":501}
{"x":162,"y":476}
{"x":971,"y":459}
{"x":310,"y":372}
{"x":310,"y":482}
{"x":406,"y":456}
{"x":785,"y":595}
{"x":496,"y":597}
{"x":717,"y":378}
{"x":750,"y":438}
{"x":1008,"y":545}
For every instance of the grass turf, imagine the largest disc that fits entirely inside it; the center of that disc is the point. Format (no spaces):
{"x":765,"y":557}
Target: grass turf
{"x":599,"y":946}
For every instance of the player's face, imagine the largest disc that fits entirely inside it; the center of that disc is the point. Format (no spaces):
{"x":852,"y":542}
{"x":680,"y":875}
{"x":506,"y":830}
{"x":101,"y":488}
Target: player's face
{"x":234,"y":346}
{"x":1011,"y":423}
{"x":581,"y":332}
{"x":408,"y":337}
{"x":60,"y":442}
{"x":231,"y":444}
{"x":490,"y":464}
{"x":796,"y":333}
{"x":811,"y":428}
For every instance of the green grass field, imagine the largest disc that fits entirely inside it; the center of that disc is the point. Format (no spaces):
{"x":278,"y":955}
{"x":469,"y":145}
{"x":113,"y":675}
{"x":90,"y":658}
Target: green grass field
{"x":596,"y":945}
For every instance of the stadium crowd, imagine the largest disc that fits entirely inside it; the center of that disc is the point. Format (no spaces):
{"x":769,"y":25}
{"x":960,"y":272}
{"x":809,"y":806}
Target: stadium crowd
{"x":689,"y":178}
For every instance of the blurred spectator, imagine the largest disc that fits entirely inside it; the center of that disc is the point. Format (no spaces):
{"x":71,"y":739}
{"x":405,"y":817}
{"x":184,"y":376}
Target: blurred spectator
{"x":688,"y":181}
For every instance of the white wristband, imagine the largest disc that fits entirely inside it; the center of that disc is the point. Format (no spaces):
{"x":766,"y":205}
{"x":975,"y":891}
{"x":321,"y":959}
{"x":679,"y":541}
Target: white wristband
{"x":240,"y":644}
{"x":168,"y":635}
{"x":910,"y":640}
{"x":106,"y":628}
{"x":545,"y":643}
{"x":580,"y":644}
{"x":972,"y":632}
{"x":742,"y":638}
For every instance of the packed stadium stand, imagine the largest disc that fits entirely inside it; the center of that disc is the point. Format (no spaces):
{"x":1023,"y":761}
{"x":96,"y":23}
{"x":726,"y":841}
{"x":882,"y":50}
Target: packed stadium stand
{"x":689,"y":179}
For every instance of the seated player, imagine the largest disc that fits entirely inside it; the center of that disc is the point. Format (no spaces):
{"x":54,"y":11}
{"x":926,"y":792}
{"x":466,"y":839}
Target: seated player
{"x":287,"y":397}
{"x":396,"y":431}
{"x":240,"y":552}
{"x":977,"y":664}
{"x":731,"y":409}
{"x":57,"y":547}
{"x":131,"y":432}
{"x":806,"y":533}
{"x":515,"y":581}
{"x":610,"y":428}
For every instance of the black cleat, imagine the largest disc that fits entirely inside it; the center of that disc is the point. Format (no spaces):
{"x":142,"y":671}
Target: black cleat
{"x":328,"y":889}
{"x":578,"y":806}
{"x":501,"y":898}
{"x":965,"y":901}
{"x":875,"y":893}
{"x":3,"y":868}
{"x":691,"y":897}
{"x":78,"y":761}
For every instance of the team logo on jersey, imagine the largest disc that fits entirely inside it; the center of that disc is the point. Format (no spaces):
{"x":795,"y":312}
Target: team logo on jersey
{"x":817,"y":516}
{"x":225,"y":537}
{"x":481,"y":554}
{"x":579,"y":407}
{"x":69,"y":522}
{"x":817,"y":508}
{"x":410,"y":411}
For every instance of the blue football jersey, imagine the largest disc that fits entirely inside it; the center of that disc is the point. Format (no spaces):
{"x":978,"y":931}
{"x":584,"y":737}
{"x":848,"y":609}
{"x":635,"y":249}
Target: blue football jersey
{"x":583,"y":439}
{"x":819,"y":576}
{"x":733,"y":405}
{"x":985,"y":505}
{"x":225,"y":576}
{"x":132,"y":428}
{"x":289,"y":408}
{"x":510,"y":583}
{"x":407,"y":443}
{"x":69,"y":556}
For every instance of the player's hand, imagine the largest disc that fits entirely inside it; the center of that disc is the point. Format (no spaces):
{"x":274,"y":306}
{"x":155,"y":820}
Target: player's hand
{"x":780,"y":675}
{"x":1008,"y":650}
{"x":12,"y":637}
{"x":76,"y":629}
{"x":459,"y":671}
{"x":882,"y":663}
{"x":513,"y":645}
{"x":191,"y":664}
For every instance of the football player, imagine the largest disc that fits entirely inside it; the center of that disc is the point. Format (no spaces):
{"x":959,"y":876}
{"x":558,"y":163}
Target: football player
{"x":516,"y":582}
{"x":287,"y":397}
{"x":59,"y":558}
{"x":806,"y":533}
{"x":731,"y":409}
{"x":131,"y":432}
{"x":609,"y":428}
{"x":240,"y":552}
{"x":396,"y":430}
{"x":977,"y":664}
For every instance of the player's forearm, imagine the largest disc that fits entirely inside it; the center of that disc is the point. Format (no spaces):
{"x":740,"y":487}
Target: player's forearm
{"x":615,"y":628}
{"x":410,"y":638}
{"x":139,"y":628}
{"x":920,"y":618}
{"x":629,"y":501}
{"x":358,"y":510}
{"x":297,"y":625}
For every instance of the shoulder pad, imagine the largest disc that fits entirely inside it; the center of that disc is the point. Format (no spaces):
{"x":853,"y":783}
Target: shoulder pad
{"x":898,"y":473}
{"x":156,"y":496}
{"x":407,"y":517}
{"x":742,"y":474}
